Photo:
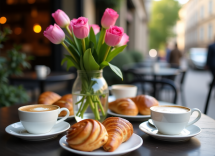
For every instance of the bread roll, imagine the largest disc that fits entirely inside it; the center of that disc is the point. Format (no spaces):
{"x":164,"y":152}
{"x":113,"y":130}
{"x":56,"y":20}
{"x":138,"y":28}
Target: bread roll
{"x":65,"y":102}
{"x":123,"y":106}
{"x":144,"y":103}
{"x":48,"y":98}
{"x":87,"y":135}
{"x":119,"y":130}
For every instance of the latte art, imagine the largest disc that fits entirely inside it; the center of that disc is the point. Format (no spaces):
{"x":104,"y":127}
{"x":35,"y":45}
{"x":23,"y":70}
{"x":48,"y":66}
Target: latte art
{"x":38,"y":108}
{"x":171,"y":109}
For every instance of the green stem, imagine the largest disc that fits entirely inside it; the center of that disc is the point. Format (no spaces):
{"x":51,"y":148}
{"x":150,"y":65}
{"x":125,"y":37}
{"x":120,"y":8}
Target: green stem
{"x":86,"y":104}
{"x":106,"y":53}
{"x":69,"y":51}
{"x":83,"y":45}
{"x":96,"y":109}
{"x":101,"y":107}
{"x":67,"y":28}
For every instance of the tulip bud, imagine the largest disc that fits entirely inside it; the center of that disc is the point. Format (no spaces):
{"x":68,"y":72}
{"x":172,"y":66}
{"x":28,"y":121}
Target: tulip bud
{"x":113,"y":35}
{"x":95,"y":27}
{"x":80,"y":27}
{"x":109,"y":18}
{"x":123,"y":41}
{"x":61,"y":18}
{"x":54,"y":33}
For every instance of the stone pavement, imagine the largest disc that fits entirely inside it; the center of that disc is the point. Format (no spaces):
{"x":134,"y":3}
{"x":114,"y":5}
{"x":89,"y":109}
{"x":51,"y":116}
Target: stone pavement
{"x":196,"y":88}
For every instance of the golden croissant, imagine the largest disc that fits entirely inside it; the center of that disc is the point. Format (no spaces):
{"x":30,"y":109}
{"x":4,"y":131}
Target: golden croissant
{"x":119,"y":130}
{"x":48,"y":98}
{"x":144,"y":103}
{"x":65,"y":102}
{"x":123,"y":106}
{"x":87,"y":135}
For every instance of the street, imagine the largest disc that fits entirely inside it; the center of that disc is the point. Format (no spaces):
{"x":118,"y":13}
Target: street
{"x":196,"y":87}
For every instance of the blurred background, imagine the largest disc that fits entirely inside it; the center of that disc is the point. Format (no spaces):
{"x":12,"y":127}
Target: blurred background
{"x":153,"y":26}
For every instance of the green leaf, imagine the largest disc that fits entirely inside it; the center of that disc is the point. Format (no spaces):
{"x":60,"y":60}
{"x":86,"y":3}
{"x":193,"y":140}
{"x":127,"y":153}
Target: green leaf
{"x":92,"y":36}
{"x":69,"y":63}
{"x":102,"y":52}
{"x":101,"y":38}
{"x":77,"y":43}
{"x":116,"y":70}
{"x":89,"y":61}
{"x":73,"y":61}
{"x":87,"y":42}
{"x":115,"y":52}
{"x":74,"y":51}
{"x":104,"y":64}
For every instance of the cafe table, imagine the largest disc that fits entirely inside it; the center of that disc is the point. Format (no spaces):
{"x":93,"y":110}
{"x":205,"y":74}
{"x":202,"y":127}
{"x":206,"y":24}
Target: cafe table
{"x":52,"y":77}
{"x":201,"y":145}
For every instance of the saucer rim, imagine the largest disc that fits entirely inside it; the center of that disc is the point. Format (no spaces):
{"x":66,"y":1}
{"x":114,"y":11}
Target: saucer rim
{"x":36,"y":135}
{"x":61,"y":142}
{"x":169,"y":136}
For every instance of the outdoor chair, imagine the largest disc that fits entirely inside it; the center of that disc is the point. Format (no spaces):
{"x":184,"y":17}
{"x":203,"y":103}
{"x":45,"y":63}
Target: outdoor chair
{"x":209,"y":95}
{"x":167,"y":82}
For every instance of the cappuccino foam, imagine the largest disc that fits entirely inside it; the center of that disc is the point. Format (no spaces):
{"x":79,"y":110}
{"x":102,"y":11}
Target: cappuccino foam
{"x":38,"y":108}
{"x":170,"y":109}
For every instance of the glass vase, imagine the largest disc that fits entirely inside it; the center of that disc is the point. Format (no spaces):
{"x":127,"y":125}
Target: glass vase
{"x":90,"y":96}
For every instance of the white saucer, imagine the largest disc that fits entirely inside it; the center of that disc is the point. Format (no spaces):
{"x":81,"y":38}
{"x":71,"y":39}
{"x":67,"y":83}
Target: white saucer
{"x":132,"y":144}
{"x":69,"y":117}
{"x":185,"y":135}
{"x":19,"y":131}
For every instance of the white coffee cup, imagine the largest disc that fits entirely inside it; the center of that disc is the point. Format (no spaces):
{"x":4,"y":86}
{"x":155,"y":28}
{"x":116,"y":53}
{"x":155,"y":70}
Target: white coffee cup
{"x":42,"y":71}
{"x":39,"y":119}
{"x":172,"y":120}
{"x":123,"y":91}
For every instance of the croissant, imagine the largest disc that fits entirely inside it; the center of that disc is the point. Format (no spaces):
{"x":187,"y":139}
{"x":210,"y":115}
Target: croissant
{"x":119,"y":130}
{"x":144,"y":102}
{"x":123,"y":106}
{"x":65,"y":101}
{"x":87,"y":135}
{"x":48,"y":98}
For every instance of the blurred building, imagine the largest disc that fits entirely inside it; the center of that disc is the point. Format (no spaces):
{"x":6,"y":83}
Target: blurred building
{"x":29,"y":18}
{"x":196,"y":27}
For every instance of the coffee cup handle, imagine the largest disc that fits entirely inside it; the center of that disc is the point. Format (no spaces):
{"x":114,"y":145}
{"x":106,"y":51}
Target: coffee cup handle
{"x":197,"y":118}
{"x":65,"y":117}
{"x":48,"y":70}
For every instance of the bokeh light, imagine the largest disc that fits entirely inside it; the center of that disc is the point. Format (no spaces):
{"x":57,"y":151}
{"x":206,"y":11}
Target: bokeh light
{"x":31,"y":1}
{"x":3,"y":20}
{"x":153,"y":53}
{"x":10,"y":2}
{"x":18,"y":30}
{"x":37,"y":28}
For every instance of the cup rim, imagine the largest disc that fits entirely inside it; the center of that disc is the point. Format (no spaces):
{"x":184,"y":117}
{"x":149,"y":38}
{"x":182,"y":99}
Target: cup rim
{"x":151,"y":108}
{"x":38,"y":112}
{"x":128,"y":87}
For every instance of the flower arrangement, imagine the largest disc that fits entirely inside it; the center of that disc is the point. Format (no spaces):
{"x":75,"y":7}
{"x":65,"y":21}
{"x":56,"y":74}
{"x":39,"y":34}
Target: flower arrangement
{"x":90,"y":49}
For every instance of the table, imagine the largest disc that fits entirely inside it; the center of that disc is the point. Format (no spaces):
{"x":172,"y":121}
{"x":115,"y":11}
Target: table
{"x":202,"y":144}
{"x":52,"y":77}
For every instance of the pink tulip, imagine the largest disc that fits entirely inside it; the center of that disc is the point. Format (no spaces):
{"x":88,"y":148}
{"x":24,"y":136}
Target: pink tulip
{"x":124,"y":40}
{"x":61,"y":18}
{"x":80,"y":27}
{"x":113,"y":35}
{"x":95,"y":27}
{"x":54,"y":33}
{"x":109,"y":18}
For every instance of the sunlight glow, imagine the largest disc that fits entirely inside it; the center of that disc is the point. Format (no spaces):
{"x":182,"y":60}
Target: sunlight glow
{"x":153,"y":53}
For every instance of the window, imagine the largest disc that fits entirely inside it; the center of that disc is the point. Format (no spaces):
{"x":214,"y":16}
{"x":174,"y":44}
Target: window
{"x":210,"y":7}
{"x":202,"y":12}
{"x":210,"y":32}
{"x":201,"y":34}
